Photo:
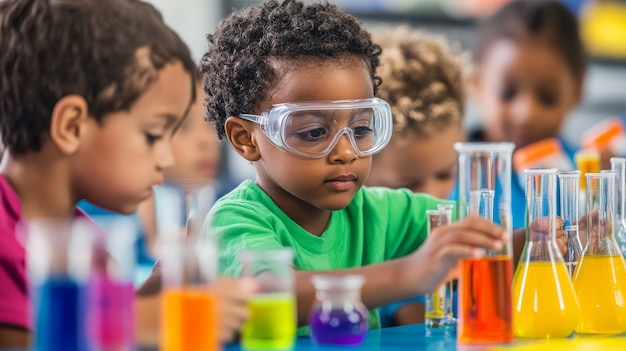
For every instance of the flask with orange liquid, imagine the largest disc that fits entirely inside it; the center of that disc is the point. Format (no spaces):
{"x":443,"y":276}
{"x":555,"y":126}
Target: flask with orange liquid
{"x":544,"y":302}
{"x":484,"y":189}
{"x":600,"y":276}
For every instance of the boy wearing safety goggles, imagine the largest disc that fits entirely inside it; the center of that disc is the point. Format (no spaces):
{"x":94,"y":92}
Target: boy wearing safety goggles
{"x":292,"y":87}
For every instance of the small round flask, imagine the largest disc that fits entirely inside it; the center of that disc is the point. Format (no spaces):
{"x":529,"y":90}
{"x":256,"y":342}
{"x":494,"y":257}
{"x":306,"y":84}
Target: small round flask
{"x":338,"y":317}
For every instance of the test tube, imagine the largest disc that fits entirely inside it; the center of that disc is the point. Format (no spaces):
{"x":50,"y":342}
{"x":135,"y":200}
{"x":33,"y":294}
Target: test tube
{"x":568,"y":187}
{"x":450,"y":321}
{"x":437,"y":302}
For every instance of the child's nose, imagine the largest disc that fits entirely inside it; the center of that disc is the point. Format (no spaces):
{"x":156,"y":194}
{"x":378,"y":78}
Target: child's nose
{"x":165,"y":156}
{"x":344,"y":151}
{"x":526,"y":108}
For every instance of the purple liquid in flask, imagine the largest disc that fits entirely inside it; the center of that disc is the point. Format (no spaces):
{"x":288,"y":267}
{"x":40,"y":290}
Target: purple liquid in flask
{"x":339,"y":317}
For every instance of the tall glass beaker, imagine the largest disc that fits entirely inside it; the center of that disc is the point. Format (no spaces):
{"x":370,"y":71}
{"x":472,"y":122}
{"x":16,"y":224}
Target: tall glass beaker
{"x":600,"y":276}
{"x":484,"y":189}
{"x":618,"y":166}
{"x":568,"y":197}
{"x":544,"y":302}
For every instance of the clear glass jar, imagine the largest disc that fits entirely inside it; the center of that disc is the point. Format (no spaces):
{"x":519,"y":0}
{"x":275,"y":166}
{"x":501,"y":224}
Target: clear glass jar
{"x":338,"y":317}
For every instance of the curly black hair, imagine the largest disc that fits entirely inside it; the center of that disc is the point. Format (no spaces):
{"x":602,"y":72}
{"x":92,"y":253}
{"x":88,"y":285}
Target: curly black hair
{"x":546,"y":20}
{"x":240,"y":64}
{"x":51,"y":49}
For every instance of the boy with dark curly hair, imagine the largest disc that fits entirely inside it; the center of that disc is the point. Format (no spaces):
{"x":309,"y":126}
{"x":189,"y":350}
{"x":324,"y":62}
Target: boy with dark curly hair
{"x":90,"y":94}
{"x":423,"y":83}
{"x":292,"y":86}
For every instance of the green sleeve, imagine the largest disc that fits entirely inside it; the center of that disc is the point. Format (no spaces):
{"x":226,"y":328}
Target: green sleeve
{"x":407,"y":224}
{"x":239,"y":225}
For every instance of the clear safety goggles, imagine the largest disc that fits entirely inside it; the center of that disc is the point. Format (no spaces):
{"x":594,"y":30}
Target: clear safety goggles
{"x":313,"y":129}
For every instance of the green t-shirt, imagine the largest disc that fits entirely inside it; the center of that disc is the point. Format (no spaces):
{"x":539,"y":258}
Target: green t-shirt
{"x":378,"y":225}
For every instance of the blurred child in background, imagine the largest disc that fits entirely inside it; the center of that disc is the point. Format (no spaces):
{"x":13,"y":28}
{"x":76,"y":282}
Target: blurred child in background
{"x":529,"y":73}
{"x":422,"y":80}
{"x":196,"y":160}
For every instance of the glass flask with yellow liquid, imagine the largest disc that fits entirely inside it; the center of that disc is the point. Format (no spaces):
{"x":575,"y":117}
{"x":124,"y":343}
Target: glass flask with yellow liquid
{"x":600,"y":276}
{"x":544,"y":302}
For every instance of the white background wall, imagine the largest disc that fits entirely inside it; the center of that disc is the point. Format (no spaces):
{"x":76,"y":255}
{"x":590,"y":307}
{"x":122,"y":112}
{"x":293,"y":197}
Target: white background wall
{"x":192,"y":20}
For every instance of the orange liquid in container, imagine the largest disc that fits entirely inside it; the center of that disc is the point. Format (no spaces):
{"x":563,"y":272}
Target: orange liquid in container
{"x":485,"y":310}
{"x":189,"y":320}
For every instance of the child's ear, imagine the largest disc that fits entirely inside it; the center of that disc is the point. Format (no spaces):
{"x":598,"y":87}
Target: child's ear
{"x":239,"y":134}
{"x":67,"y":123}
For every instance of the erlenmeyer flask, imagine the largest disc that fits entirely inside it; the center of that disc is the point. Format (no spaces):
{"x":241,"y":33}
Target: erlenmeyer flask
{"x":544,"y":302}
{"x":600,"y":276}
{"x":484,"y":189}
{"x":568,"y":186}
{"x":618,"y":166}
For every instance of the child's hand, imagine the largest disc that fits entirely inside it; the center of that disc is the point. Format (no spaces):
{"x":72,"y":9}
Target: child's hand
{"x":539,"y":230}
{"x":233,"y":296}
{"x":561,"y":236}
{"x":436,"y":260}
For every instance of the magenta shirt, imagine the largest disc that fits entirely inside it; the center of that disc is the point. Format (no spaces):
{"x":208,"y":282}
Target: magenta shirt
{"x":13,"y":286}
{"x":14,"y":302}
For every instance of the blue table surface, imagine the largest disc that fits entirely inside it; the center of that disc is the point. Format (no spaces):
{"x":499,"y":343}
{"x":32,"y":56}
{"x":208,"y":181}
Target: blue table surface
{"x":408,"y":337}
{"x":413,"y":337}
